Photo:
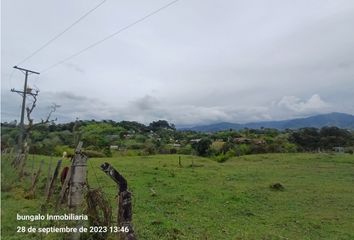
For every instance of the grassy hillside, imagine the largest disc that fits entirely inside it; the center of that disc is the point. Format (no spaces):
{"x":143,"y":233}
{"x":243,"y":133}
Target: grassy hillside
{"x":230,"y":200}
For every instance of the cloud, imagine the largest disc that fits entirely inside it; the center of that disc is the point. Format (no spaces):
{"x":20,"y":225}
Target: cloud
{"x":145,"y":103}
{"x":150,"y":108}
{"x":313,"y":104}
{"x":232,"y":63}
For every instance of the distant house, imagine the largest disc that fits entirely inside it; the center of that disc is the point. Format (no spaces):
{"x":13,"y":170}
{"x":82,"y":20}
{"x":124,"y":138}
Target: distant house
{"x":114,"y":147}
{"x":176,"y":145}
{"x":259,"y":141}
{"x":195,"y":140}
{"x":241,"y":140}
{"x":152,"y":135}
{"x":127,"y":136}
{"x":113,"y":136}
{"x":338,"y":149}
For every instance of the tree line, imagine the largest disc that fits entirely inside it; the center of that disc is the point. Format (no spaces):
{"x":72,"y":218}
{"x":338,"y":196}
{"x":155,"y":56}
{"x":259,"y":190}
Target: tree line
{"x":107,"y":137}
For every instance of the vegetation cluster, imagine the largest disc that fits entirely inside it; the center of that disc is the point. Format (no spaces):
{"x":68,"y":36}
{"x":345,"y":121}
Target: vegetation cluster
{"x":106,"y":138}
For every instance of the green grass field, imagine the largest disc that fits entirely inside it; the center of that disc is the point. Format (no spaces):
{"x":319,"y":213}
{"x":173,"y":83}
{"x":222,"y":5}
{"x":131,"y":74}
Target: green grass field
{"x":211,"y":200}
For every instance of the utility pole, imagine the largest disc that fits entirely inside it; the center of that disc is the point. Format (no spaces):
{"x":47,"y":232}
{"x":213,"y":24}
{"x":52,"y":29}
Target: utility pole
{"x":24,"y":94}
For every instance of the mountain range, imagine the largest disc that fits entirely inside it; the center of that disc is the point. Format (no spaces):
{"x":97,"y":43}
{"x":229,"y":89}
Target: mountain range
{"x":341,"y":120}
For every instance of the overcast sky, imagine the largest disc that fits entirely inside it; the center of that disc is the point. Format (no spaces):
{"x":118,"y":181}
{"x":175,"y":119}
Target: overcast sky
{"x":197,"y":61}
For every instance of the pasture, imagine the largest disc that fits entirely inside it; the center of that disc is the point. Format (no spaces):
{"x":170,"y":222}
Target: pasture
{"x":203,"y":199}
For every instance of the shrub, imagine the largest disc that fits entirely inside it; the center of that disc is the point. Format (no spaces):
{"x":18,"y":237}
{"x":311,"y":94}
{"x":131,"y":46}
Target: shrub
{"x":94,"y":154}
{"x":202,"y":147}
{"x":224,"y":156}
{"x":58,"y":150}
{"x":349,"y":150}
{"x":187,"y":150}
{"x":107,"y":152}
{"x":136,"y":146}
{"x":242,"y":149}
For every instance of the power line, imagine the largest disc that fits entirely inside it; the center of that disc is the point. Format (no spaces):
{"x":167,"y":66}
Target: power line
{"x":110,"y":36}
{"x":10,"y":76}
{"x":61,"y":33}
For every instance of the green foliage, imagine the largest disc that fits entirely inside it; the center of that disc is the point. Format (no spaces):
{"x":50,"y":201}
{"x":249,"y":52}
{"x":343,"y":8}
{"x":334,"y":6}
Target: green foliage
{"x":225,"y":156}
{"x":59,"y":149}
{"x":310,"y":139}
{"x":160,"y":136}
{"x":94,"y":154}
{"x":202,"y":147}
{"x":186,"y":149}
{"x":161,"y":124}
{"x":290,"y":148}
{"x":242,"y":149}
{"x":150,"y":148}
{"x":98,"y":134}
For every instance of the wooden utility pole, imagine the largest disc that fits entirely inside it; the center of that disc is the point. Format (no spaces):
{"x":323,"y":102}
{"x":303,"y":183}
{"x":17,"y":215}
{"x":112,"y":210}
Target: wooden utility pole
{"x":24,"y":94}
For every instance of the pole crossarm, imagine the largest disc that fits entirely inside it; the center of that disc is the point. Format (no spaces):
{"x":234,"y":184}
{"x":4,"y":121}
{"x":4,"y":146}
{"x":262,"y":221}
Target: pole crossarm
{"x":21,"y":92}
{"x":26,"y":70}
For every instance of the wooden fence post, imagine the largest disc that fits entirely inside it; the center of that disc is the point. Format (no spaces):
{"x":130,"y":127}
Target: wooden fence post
{"x":77,"y":184}
{"x":5,"y":153}
{"x":48,"y":176}
{"x":53,"y":179}
{"x":64,"y":188}
{"x":179,"y":161}
{"x":125,"y":213}
{"x":78,"y":178}
{"x":17,"y":160}
{"x":35,"y":180}
{"x":23,"y":162}
{"x":9,"y":154}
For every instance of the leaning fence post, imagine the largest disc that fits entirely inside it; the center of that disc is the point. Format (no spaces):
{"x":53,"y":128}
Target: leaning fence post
{"x":53,"y":179}
{"x":23,"y":162}
{"x":125,"y":212}
{"x":64,"y":187}
{"x":5,"y":153}
{"x":48,"y":176}
{"x":9,"y":155}
{"x":35,"y":180}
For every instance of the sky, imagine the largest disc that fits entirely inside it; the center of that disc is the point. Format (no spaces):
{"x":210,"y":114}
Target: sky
{"x":195,"y":62}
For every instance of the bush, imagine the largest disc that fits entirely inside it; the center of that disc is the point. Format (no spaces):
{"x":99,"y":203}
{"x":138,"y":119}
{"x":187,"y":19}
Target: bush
{"x":94,"y":154}
{"x":136,"y":146}
{"x":149,"y":149}
{"x":58,"y":150}
{"x":173,"y":151}
{"x":255,"y":149}
{"x":290,"y":148}
{"x":224,"y":156}
{"x":107,"y":152}
{"x":186,"y":150}
{"x":242,"y":149}
{"x":217,"y":147}
{"x":349,"y":150}
{"x":202,"y":147}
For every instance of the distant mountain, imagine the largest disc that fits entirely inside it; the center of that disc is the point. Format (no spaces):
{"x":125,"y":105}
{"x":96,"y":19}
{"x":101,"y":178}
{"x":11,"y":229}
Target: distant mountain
{"x":341,"y":120}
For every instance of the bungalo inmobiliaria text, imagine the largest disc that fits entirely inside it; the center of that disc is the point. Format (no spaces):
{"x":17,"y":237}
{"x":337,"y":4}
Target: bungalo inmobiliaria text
{"x":62,"y":217}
